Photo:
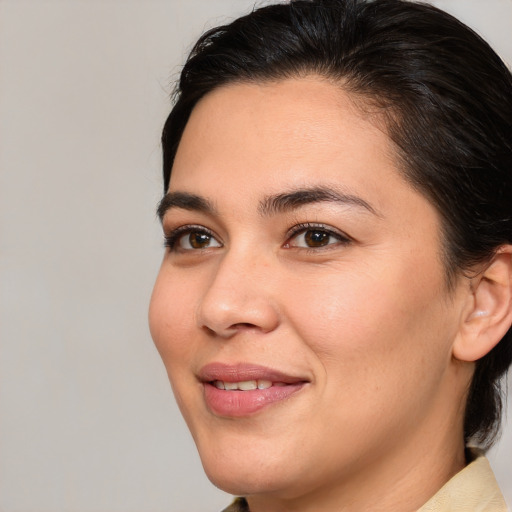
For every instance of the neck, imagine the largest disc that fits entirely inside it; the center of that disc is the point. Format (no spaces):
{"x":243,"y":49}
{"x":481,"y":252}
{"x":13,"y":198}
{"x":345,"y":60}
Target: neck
{"x":394,"y":486}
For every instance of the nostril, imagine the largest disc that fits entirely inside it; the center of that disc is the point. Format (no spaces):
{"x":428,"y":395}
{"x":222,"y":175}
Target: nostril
{"x":209,"y":331}
{"x":232,"y":329}
{"x":243,"y":326}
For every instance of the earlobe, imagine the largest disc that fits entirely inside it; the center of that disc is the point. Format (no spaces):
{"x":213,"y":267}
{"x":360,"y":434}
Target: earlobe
{"x":489,"y":314}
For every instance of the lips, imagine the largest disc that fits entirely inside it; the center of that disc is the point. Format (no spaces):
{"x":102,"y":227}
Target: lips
{"x":243,"y":389}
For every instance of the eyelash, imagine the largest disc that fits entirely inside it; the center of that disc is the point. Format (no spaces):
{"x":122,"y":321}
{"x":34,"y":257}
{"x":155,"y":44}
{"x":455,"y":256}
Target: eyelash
{"x":173,"y":238}
{"x":342,"y":238}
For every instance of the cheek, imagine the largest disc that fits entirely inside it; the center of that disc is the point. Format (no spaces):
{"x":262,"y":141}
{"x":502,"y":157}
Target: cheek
{"x":171,"y":322}
{"x":382,"y":345}
{"x":372,"y":318}
{"x":171,"y":319}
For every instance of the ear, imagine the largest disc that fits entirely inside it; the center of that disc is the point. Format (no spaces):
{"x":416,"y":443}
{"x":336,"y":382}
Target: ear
{"x":488,"y":315}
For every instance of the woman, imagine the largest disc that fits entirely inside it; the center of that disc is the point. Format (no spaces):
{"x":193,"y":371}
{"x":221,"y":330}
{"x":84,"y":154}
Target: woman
{"x":334,"y":305}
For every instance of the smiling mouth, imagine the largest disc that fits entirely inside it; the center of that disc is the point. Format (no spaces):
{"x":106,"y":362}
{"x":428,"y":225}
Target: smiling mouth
{"x":241,"y":390}
{"x":246,"y":385}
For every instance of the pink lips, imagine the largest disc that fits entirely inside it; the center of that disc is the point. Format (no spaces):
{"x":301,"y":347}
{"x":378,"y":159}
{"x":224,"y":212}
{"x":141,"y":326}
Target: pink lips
{"x":237,"y":403}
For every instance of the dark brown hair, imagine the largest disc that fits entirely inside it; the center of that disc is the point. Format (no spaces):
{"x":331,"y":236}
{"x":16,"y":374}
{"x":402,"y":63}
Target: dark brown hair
{"x":447,"y":101}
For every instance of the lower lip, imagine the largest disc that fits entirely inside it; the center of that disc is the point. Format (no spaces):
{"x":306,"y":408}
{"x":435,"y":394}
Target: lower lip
{"x":243,"y":403}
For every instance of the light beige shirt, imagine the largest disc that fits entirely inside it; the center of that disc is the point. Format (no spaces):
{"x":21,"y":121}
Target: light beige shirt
{"x":474,"y":489}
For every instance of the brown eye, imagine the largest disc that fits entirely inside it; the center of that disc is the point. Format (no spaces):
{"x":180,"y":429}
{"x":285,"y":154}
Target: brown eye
{"x":191,"y":239}
{"x":316,"y":238}
{"x":196,"y":240}
{"x":313,"y":237}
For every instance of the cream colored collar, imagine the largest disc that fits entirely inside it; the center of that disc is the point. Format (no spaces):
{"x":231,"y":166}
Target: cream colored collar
{"x":474,"y":489}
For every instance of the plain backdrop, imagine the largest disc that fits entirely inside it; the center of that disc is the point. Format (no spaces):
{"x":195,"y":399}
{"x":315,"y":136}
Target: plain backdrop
{"x":87,"y":419}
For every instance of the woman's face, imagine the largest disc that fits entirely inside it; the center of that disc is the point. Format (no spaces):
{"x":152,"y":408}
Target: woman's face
{"x":305,"y":273}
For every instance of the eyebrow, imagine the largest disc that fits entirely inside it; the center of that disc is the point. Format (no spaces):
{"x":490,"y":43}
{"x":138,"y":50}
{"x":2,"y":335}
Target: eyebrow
{"x":185,"y":201}
{"x":292,"y":200}
{"x":271,"y":205}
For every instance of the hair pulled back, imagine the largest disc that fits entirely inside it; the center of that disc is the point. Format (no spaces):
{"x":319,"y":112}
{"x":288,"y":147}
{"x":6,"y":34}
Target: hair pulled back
{"x":445,"y":97}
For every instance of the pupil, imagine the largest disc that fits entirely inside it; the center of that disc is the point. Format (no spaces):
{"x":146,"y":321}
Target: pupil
{"x":316,"y":238}
{"x":199,"y":240}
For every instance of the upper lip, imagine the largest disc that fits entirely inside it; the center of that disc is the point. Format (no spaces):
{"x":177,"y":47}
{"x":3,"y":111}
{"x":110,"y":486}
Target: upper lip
{"x":241,"y":372}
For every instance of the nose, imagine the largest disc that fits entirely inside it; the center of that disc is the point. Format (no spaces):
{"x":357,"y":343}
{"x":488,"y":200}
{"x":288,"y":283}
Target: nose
{"x":239,"y":297}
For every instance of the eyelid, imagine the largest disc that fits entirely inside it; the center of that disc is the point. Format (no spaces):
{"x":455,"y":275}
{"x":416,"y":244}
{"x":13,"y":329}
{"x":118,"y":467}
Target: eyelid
{"x":305,"y":226}
{"x":172,"y":236}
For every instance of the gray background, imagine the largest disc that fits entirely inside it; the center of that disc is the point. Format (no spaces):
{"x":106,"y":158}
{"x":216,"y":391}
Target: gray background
{"x":87,"y":420}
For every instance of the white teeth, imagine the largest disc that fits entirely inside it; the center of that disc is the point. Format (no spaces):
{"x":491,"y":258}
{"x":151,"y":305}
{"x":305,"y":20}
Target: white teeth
{"x":246,"y":385}
{"x":264,"y":384}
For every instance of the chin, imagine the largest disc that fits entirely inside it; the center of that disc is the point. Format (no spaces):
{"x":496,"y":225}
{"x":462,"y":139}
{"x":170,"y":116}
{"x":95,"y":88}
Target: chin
{"x":242,"y":473}
{"x":253,"y":484}
{"x":238,"y":485}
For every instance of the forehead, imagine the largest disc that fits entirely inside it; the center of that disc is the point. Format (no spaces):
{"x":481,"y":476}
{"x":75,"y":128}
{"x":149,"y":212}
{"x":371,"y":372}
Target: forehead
{"x":305,"y":127}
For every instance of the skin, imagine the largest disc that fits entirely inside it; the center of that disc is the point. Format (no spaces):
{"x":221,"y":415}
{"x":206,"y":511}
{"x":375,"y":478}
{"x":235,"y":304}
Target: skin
{"x":366,"y":319}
